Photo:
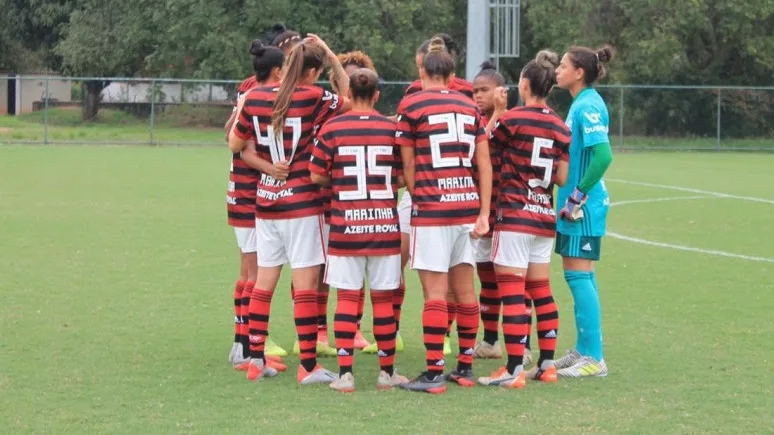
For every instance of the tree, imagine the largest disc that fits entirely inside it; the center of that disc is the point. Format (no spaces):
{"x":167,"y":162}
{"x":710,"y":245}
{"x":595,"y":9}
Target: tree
{"x":106,"y":39}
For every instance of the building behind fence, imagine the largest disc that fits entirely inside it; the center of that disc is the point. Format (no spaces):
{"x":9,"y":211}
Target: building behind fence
{"x":175,"y":112}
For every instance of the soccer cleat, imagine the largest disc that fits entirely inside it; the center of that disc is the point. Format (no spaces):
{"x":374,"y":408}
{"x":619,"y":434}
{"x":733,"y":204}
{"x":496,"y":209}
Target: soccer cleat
{"x":584,"y":368}
{"x":317,"y":376}
{"x":502,"y":378}
{"x":568,"y":360}
{"x":344,"y":384}
{"x":240,"y":363}
{"x":233,"y":352}
{"x":273,"y":349}
{"x":545,"y":373}
{"x":360,"y":341}
{"x":398,"y":342}
{"x":256,"y":370}
{"x":426,"y":382}
{"x":485,"y":350}
{"x":527,"y":357}
{"x":464,"y":378}
{"x":386,"y":382}
{"x":371,"y":348}
{"x":447,"y":345}
{"x":276,"y":365}
{"x":325,"y":350}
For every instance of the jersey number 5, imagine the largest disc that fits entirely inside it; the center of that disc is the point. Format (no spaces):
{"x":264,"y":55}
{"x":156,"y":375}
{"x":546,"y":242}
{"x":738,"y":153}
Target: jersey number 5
{"x":541,"y":162}
{"x":374,"y":169}
{"x":454,"y":135}
{"x":277,"y":144}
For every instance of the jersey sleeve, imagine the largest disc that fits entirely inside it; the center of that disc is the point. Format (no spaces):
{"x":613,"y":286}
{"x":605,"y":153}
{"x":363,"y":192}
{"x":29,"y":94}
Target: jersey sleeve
{"x":244,"y":127}
{"x":413,"y":88}
{"x":328,"y":106}
{"x":480,"y":129}
{"x":405,"y":128}
{"x":593,"y":123}
{"x":322,"y":154}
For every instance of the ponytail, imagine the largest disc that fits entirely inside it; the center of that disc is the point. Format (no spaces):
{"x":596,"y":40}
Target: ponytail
{"x":294,"y":69}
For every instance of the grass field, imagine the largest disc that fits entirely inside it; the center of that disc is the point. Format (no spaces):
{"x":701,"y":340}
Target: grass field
{"x":116,"y":278}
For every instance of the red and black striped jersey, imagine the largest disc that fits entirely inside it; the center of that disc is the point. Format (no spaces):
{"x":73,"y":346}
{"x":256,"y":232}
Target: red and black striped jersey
{"x":494,"y":156}
{"x":455,"y":84}
{"x":310,"y":107}
{"x":242,"y":181}
{"x":533,"y":141}
{"x":326,"y":193}
{"x":443,"y":127}
{"x":357,"y":150}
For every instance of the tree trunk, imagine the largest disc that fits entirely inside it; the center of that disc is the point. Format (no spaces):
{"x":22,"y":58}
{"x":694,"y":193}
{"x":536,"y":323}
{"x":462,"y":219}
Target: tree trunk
{"x":91,"y":99}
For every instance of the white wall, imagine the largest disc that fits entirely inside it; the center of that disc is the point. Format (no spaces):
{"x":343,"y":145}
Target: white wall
{"x":140,"y":92}
{"x":29,"y":91}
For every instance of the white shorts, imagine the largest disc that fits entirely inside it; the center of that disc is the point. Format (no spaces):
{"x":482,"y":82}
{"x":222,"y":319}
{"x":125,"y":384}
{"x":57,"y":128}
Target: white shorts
{"x":482,"y":248}
{"x":245,"y":239}
{"x":404,"y":213}
{"x":512,"y":249}
{"x":348,"y":272}
{"x":298,"y":242}
{"x":438,"y":249}
{"x":326,"y":234}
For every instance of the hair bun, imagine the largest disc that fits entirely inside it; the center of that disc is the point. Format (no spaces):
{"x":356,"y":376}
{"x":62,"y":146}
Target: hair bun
{"x":488,"y":65}
{"x":257,"y":48}
{"x":605,"y":54}
{"x":451,"y":46}
{"x":437,"y":45}
{"x":547,"y":59}
{"x":278,"y":28}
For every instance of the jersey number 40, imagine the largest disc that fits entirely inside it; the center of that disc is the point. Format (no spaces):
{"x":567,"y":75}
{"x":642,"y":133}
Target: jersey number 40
{"x":277,"y":144}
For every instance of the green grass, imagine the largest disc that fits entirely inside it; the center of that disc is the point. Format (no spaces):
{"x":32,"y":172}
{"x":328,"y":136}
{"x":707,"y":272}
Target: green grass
{"x":116,"y":277}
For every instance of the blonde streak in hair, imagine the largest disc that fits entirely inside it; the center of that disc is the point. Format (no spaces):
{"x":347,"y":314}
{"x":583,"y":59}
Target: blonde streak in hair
{"x":293,"y":71}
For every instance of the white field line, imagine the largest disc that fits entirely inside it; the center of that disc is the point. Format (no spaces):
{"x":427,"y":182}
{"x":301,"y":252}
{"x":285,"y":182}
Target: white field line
{"x":688,"y":189}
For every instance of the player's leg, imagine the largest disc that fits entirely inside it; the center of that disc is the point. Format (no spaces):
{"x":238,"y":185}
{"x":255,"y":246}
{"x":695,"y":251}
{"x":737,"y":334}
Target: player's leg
{"x":383,"y":279}
{"x":346,"y":275}
{"x":306,"y":252}
{"x":249,"y":263}
{"x":431,"y":257}
{"x":238,"y":343}
{"x":360,"y":340}
{"x":468,"y":316}
{"x":511,"y":257}
{"x":489,"y":299}
{"x":538,"y":286}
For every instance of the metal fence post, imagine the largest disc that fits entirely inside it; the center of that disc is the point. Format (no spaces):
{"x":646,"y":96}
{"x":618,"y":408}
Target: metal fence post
{"x":621,"y":118}
{"x":153,"y":109}
{"x":45,"y":114}
{"x":718,"y":121}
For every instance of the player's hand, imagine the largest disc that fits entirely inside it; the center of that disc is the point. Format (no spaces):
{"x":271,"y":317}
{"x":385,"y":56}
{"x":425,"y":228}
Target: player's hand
{"x":501,"y":99}
{"x":280,"y":170}
{"x":572,"y":210}
{"x":481,"y":228}
{"x":311,"y":37}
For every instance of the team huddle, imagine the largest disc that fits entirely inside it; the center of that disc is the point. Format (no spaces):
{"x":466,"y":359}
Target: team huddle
{"x":315,"y":181}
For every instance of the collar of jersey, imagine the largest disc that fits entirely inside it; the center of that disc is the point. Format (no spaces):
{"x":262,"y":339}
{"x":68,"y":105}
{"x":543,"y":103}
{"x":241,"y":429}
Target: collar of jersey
{"x":588,"y":88}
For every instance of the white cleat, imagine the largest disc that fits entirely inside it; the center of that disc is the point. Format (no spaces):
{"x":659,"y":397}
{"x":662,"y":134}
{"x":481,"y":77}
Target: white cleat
{"x":484,"y":350}
{"x":527,"y":357}
{"x":234,"y":352}
{"x":344,"y":384}
{"x":568,"y":360}
{"x":317,"y":376}
{"x":586,"y":367}
{"x":386,"y":382}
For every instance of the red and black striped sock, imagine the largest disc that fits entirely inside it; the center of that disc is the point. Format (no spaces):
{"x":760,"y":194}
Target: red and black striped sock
{"x":345,"y":327}
{"x":467,"y":330}
{"x":397,"y":304}
{"x":322,"y":308}
{"x":451,"y":316}
{"x":260,"y":307}
{"x":547,"y":317}
{"x":514,"y":318}
{"x":434,"y":324}
{"x":490,"y":301}
{"x":384,"y":329}
{"x":238,"y":289}
{"x":528,"y":307}
{"x":360,"y":306}
{"x":244,"y":330}
{"x":305,"y":313}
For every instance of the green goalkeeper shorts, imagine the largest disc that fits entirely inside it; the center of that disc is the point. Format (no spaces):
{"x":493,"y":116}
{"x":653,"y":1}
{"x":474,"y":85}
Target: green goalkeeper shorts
{"x":586,"y":247}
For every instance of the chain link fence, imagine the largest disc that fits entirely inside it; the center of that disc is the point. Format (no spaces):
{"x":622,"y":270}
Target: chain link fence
{"x":97,"y":110}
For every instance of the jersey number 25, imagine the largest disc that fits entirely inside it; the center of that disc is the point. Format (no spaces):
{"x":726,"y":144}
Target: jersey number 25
{"x":455,"y":134}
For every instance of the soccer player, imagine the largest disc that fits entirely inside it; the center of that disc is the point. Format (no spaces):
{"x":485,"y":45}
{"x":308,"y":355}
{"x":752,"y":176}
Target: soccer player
{"x":355,"y":153}
{"x":283,"y":119}
{"x":455,"y":83}
{"x":283,"y":38}
{"x":439,"y":131}
{"x":240,"y":204}
{"x":583,"y":204}
{"x":534,"y":143}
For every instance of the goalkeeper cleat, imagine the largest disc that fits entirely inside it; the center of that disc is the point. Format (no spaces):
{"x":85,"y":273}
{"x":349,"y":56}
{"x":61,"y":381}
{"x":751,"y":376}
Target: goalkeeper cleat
{"x":568,"y":360}
{"x":464,"y":378}
{"x":371,"y":348}
{"x":386,"y":382}
{"x":447,"y":345}
{"x":484,"y":350}
{"x":317,"y":376}
{"x":502,"y":378}
{"x":398,"y":342}
{"x":360,"y":341}
{"x":344,"y":384}
{"x":585,"y":367}
{"x":427,"y":383}
{"x":256,"y":370}
{"x":545,"y":373}
{"x":273,"y":349}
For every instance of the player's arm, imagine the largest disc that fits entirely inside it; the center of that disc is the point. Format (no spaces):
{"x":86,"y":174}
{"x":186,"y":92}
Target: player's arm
{"x":601,"y":158}
{"x":405,"y":139}
{"x":321,"y":163}
{"x":251,"y":158}
{"x":232,"y":119}
{"x":484,"y":167}
{"x":563,"y":166}
{"x":241,"y":131}
{"x":341,"y":79}
{"x":500,"y":107}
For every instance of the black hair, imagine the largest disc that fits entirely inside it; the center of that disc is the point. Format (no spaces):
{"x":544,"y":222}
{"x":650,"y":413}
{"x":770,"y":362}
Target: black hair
{"x":282,"y":37}
{"x":448,"y":41}
{"x":265,"y":59}
{"x":438,"y":61}
{"x":363,"y":83}
{"x":591,"y":61}
{"x":541,"y":73}
{"x":489,"y":71}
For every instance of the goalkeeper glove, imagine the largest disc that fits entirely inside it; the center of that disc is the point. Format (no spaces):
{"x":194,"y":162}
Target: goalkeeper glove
{"x":572,"y":210}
